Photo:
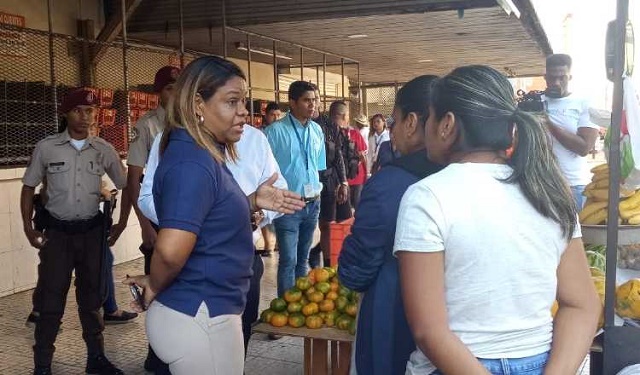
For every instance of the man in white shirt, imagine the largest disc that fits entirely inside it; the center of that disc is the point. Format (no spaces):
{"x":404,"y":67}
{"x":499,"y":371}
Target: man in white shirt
{"x":254,"y":166}
{"x":574,"y":136}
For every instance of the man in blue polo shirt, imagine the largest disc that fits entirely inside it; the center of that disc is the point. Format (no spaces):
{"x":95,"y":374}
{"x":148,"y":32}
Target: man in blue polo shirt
{"x":298,"y":146}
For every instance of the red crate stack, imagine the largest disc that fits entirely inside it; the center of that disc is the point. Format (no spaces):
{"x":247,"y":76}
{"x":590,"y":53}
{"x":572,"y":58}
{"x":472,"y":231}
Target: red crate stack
{"x":133,"y":99}
{"x":337,"y":233}
{"x":152,"y":101}
{"x":141,"y":100}
{"x":107,"y":117}
{"x":133,"y":116}
{"x":105,"y":98}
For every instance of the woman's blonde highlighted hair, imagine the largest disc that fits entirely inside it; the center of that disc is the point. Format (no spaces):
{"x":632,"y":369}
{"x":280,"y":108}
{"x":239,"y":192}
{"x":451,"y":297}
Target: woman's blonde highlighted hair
{"x":203,"y":77}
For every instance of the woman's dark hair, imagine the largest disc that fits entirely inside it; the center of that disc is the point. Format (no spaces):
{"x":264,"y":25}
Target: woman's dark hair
{"x":203,"y":76}
{"x":372,"y":119}
{"x":414,"y":97}
{"x":298,"y":88}
{"x":487,"y":117}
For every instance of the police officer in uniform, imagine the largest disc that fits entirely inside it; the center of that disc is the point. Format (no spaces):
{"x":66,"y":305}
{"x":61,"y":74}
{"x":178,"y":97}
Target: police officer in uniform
{"x":73,"y":164}
{"x":144,"y":132}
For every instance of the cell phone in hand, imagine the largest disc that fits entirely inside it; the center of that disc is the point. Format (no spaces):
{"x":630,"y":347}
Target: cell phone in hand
{"x":137,"y":296}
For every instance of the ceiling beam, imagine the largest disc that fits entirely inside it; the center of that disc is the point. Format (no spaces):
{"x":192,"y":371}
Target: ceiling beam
{"x":151,"y":17}
{"x":532,"y":24}
{"x":112,"y":28}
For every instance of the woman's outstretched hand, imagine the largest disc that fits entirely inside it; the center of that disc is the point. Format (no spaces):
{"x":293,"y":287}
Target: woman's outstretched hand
{"x":271,"y":198}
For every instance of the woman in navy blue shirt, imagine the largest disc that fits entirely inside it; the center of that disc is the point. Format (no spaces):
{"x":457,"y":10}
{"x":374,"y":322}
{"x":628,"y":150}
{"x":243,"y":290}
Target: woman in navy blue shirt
{"x":383,"y":339}
{"x":201,"y":267}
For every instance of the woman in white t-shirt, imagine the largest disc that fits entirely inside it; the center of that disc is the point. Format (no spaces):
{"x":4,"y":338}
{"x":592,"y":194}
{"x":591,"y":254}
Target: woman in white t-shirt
{"x":488,"y":243}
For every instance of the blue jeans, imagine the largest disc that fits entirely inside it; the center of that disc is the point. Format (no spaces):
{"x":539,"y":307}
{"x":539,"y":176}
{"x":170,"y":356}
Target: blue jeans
{"x":294,"y":234}
{"x":533,"y":365}
{"x":110,"y":306}
{"x":577,"y":196}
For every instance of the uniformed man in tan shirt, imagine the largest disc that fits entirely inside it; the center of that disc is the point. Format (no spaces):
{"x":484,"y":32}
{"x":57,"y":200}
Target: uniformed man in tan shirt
{"x":73,"y":164}
{"x":144,"y":132}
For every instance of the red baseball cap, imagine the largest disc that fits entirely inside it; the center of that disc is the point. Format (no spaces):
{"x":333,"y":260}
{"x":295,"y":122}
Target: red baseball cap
{"x":78,"y":97}
{"x":165,"y":76}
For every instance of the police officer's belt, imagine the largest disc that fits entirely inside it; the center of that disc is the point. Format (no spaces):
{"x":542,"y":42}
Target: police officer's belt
{"x":74,"y":226}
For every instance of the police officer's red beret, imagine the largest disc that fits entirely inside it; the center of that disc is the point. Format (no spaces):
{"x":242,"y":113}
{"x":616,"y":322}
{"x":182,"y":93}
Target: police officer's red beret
{"x":78,"y":97}
{"x":165,"y":76}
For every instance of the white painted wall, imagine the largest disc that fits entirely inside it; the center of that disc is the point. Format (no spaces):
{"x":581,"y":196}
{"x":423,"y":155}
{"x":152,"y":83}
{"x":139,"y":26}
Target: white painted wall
{"x":18,"y":260}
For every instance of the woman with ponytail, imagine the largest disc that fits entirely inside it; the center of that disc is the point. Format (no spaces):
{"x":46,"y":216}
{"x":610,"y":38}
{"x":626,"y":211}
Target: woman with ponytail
{"x":486,"y":245}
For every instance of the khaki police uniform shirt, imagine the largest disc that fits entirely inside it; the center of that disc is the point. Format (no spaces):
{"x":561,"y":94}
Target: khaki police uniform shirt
{"x":144,"y":132}
{"x":73,"y":177}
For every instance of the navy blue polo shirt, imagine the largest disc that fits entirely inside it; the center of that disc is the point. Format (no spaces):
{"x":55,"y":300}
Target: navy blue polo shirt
{"x":194,"y":193}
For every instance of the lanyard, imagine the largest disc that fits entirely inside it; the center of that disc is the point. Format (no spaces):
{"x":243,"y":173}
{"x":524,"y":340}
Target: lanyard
{"x":377,"y":139}
{"x":305,"y":149}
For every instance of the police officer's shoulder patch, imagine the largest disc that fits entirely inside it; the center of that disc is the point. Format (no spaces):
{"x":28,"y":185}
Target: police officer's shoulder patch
{"x":135,"y":133}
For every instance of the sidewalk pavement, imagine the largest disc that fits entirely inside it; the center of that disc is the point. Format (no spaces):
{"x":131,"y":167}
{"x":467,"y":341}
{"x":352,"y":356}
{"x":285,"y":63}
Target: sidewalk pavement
{"x":126,"y":344}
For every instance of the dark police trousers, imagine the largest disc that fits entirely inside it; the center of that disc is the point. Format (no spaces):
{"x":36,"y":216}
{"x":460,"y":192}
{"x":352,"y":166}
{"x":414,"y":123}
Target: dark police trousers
{"x":250,"y":314}
{"x":60,"y":255}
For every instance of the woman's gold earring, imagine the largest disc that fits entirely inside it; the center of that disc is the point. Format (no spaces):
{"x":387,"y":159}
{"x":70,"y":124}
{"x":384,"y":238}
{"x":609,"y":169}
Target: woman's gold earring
{"x":200,"y":119}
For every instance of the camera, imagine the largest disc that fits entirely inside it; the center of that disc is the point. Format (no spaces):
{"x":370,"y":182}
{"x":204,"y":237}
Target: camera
{"x":533,"y":101}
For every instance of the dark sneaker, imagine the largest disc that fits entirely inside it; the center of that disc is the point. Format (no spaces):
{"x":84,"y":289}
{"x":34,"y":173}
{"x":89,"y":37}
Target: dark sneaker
{"x":32,"y":319}
{"x":273,"y":336}
{"x":125,"y":317}
{"x":42,"y":371}
{"x":100,"y":365}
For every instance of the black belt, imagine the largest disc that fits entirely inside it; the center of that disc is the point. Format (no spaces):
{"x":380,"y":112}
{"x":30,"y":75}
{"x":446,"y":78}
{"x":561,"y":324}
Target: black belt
{"x":74,"y":226}
{"x":310,"y":200}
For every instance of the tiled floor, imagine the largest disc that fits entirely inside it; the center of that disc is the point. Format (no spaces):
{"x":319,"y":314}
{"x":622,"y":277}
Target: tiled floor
{"x":126,"y":344}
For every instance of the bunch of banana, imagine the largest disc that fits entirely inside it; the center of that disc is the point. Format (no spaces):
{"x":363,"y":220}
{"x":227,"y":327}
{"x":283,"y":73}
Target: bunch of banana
{"x":597,"y":193}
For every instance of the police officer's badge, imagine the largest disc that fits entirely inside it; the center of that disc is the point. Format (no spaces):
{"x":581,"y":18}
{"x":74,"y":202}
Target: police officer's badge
{"x":134,"y":134}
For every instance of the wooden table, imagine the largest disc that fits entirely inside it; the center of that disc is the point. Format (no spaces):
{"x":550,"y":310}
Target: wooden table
{"x":316,"y":344}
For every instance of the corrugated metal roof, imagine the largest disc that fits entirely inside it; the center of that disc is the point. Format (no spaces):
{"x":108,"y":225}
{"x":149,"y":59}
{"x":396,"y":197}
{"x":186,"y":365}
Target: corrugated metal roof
{"x":401,"y":36}
{"x":156,"y":15}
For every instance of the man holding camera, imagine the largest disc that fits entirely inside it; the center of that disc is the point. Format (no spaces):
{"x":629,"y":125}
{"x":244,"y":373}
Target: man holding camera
{"x":568,"y":122}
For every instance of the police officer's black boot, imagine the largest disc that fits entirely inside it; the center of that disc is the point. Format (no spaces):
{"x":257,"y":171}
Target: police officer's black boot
{"x":42,"y":370}
{"x":100,"y":365}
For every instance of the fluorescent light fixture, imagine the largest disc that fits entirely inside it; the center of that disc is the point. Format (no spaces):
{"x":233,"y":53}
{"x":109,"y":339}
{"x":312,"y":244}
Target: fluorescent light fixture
{"x":425,"y":60}
{"x":262,"y":51}
{"x":357,"y":36}
{"x":509,"y":7}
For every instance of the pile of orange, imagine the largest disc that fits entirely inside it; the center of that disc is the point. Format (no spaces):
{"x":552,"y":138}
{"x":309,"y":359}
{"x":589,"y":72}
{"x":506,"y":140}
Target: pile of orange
{"x":315,"y":301}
